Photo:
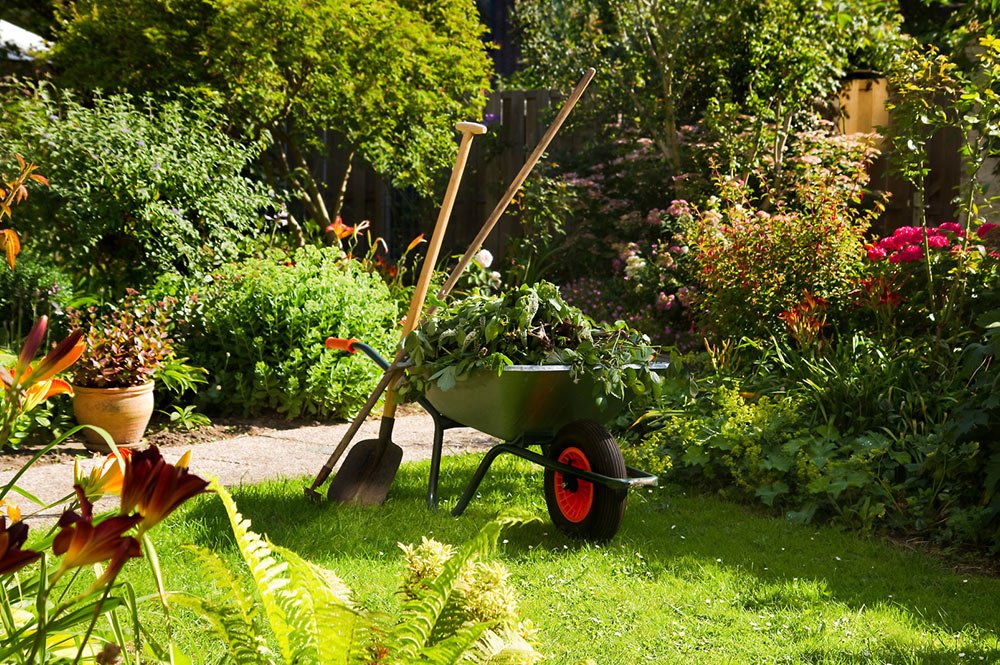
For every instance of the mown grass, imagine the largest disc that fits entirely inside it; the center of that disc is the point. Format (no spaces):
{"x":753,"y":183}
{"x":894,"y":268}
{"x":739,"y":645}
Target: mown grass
{"x":689,"y":579}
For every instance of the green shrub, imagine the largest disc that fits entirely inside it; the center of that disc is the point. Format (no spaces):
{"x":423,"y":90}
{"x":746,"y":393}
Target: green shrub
{"x":261,"y":327}
{"x":32,"y":290}
{"x":137,"y":188}
{"x":852,"y":436}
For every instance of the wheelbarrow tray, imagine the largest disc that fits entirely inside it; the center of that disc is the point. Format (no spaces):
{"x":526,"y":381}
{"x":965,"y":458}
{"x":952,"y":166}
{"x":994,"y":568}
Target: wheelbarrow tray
{"x":522,"y":400}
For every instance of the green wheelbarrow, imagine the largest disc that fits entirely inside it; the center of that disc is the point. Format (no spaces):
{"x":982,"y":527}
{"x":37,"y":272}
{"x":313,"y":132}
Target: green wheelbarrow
{"x":537,"y":406}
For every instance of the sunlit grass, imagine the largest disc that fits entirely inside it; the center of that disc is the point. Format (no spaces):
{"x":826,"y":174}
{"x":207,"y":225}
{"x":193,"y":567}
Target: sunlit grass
{"x":689,"y":579}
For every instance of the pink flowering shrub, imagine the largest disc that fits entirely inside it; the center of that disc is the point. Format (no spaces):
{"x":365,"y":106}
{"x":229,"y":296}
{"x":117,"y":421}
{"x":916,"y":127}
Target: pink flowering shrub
{"x":619,"y":253}
{"x":934,"y":280}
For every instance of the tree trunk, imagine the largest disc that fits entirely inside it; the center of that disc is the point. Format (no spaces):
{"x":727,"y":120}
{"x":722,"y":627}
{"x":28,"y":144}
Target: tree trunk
{"x":338,"y":204}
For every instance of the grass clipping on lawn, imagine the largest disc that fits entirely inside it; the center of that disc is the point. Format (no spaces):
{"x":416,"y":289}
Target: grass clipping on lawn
{"x":531,"y":325}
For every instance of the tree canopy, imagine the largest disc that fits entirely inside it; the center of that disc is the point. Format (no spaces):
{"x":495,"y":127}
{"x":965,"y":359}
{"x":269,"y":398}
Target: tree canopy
{"x":389,"y":78}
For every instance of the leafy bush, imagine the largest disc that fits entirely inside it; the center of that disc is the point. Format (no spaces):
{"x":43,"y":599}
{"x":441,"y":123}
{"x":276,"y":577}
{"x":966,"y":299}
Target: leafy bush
{"x":137,"y":188}
{"x":32,"y":290}
{"x":260,"y":327}
{"x":848,"y":432}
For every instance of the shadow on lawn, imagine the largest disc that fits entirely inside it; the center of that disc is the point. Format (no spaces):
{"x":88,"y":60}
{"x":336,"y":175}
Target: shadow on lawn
{"x":325,"y":531}
{"x":685,"y":534}
{"x":677,"y":535}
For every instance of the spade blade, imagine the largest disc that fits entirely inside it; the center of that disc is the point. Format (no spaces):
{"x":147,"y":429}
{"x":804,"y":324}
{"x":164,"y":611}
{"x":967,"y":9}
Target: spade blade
{"x":366,"y":474}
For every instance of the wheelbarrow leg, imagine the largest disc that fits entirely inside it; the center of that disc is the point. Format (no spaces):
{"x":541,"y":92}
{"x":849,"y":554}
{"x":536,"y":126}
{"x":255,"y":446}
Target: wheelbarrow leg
{"x":432,"y":480}
{"x":484,"y":466}
{"x":441,"y":423}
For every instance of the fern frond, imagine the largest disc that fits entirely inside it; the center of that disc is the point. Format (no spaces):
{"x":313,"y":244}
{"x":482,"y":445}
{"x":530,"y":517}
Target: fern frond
{"x":215,"y":571}
{"x":268,"y":574}
{"x":456,"y":648}
{"x":316,"y":578}
{"x":246,"y":645}
{"x":420,"y":616}
{"x":338,"y":633}
{"x":501,"y":646}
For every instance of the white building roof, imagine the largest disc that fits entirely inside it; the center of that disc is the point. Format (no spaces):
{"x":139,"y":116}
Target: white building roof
{"x":16,"y":43}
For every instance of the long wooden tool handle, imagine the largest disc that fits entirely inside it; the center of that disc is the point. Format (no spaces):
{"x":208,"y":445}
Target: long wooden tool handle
{"x":469,"y":130}
{"x":522,"y":175}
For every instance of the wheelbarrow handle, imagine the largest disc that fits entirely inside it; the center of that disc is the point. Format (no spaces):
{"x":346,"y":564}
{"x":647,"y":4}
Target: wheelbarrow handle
{"x":338,"y":344}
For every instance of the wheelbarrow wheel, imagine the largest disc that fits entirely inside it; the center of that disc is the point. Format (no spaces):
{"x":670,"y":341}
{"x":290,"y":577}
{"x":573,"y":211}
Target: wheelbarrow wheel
{"x":578,"y":507}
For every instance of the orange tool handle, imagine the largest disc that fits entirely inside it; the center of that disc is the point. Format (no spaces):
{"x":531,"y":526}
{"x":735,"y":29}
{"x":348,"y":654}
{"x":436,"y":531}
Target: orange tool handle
{"x":341,"y":344}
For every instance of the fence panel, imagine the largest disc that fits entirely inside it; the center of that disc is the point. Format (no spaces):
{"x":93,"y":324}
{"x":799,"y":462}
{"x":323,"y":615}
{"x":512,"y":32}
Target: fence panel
{"x":516,"y":120}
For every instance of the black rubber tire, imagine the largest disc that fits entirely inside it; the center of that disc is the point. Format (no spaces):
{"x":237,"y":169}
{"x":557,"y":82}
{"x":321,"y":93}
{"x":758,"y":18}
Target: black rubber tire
{"x":607,"y":509}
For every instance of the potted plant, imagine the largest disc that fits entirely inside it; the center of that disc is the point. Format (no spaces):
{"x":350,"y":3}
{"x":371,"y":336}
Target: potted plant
{"x":113,"y":380}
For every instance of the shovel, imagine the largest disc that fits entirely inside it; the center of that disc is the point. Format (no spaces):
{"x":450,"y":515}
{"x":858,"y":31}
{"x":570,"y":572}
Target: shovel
{"x":370,"y":467}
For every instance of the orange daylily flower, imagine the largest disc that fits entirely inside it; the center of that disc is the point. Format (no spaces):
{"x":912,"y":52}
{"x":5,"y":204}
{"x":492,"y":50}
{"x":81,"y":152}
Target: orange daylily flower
{"x":413,"y":243}
{"x":106,"y":478}
{"x":342,"y":230}
{"x":65,"y":354}
{"x":156,"y":488}
{"x":11,"y":510}
{"x":39,"y":391}
{"x":12,"y":557}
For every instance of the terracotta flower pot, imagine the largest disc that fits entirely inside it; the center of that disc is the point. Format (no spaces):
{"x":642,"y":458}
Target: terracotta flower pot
{"x":121,"y":412}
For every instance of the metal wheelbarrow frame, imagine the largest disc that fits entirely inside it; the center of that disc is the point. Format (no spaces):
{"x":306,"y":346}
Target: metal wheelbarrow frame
{"x":586,"y":478}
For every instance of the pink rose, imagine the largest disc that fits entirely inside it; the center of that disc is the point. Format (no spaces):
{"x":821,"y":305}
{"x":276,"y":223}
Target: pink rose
{"x":984,"y":229}
{"x":911,"y":253}
{"x":952,"y":227}
{"x":937,"y":241}
{"x":875,"y":253}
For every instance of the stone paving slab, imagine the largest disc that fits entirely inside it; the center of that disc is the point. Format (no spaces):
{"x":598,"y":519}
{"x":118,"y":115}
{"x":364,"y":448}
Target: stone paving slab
{"x":248,"y":459}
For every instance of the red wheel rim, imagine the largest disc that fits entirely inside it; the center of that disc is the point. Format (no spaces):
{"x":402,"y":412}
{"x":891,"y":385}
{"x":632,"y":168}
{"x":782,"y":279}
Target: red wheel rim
{"x":574,"y":504}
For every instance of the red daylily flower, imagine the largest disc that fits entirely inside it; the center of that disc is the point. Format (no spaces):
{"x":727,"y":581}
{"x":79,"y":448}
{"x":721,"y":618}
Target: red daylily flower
{"x":85,"y":543}
{"x":12,"y":557}
{"x":156,"y":488}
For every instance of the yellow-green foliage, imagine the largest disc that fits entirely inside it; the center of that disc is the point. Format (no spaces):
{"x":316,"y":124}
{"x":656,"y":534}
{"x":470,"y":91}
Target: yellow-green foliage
{"x":299,"y":613}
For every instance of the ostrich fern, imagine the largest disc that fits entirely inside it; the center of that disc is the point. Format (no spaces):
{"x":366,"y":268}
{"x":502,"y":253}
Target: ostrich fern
{"x":314,"y":621}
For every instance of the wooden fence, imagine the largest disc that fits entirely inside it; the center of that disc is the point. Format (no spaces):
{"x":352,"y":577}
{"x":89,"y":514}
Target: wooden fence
{"x":516,"y":120}
{"x":863,"y":109}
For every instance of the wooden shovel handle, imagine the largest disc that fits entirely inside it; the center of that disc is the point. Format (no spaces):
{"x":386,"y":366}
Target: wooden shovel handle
{"x":522,"y":175}
{"x":469,"y":130}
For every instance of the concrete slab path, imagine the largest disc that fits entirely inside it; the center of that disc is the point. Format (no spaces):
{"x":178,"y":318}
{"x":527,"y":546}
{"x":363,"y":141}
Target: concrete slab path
{"x":289,"y":453}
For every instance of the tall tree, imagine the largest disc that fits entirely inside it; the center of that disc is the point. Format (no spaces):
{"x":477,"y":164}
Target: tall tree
{"x":389,"y":77}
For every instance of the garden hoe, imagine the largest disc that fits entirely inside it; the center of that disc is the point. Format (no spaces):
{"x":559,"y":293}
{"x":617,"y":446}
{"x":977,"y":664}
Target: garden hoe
{"x":369,"y":469}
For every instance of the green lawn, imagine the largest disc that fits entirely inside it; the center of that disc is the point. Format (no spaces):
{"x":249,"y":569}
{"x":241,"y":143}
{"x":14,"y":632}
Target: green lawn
{"x":689,"y":579}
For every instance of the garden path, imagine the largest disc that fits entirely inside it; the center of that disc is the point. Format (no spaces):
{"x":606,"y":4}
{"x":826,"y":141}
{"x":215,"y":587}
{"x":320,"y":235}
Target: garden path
{"x":290,"y":453}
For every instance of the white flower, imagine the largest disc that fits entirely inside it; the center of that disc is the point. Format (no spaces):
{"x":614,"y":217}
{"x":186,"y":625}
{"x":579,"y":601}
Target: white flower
{"x":483,"y":258}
